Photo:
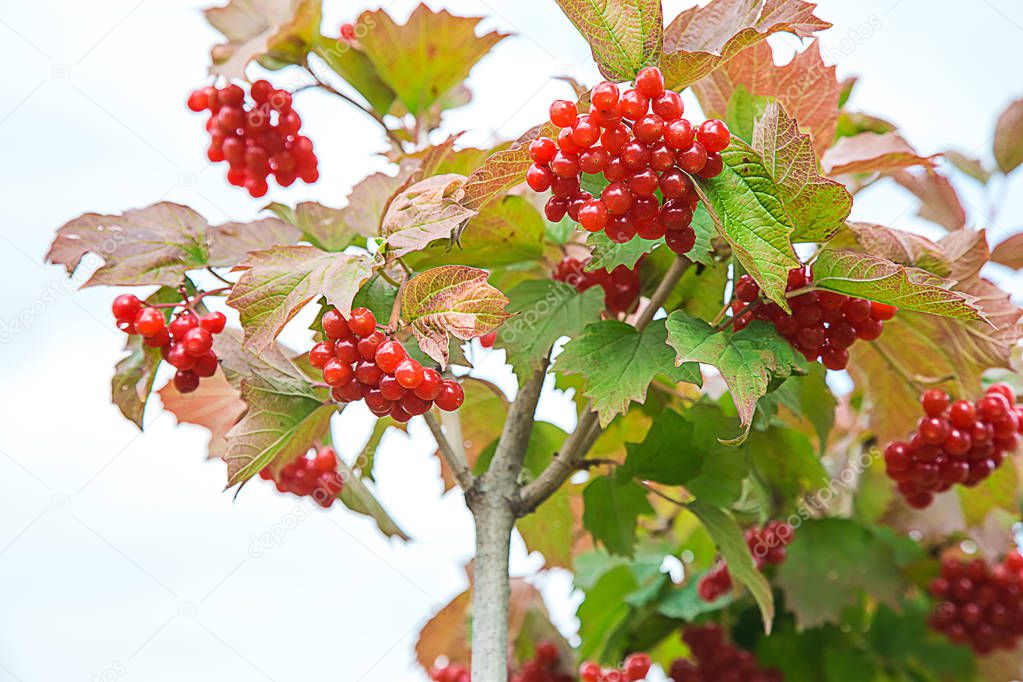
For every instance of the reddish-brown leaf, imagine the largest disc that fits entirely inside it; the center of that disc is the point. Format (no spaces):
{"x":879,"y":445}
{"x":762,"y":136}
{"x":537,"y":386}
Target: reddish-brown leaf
{"x":872,"y":153}
{"x":701,"y":39}
{"x":451,"y":300}
{"x":805,"y":87}
{"x":939,"y":201}
{"x":215,"y":405}
{"x":1008,"y":145}
{"x":231,"y":242}
{"x":279,"y":29}
{"x":1009,"y":252}
{"x":157,"y":244}
{"x":429,"y":210}
{"x":503,"y":170}
{"x":902,"y":247}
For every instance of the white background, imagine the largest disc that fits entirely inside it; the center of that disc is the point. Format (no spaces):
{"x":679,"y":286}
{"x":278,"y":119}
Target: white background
{"x":120,"y":556}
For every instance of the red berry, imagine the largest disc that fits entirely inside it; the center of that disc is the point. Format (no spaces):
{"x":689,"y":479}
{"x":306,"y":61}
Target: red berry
{"x":409,"y":373}
{"x":362,"y":322}
{"x":451,"y":396}
{"x":337,"y":373}
{"x":213,"y":322}
{"x":650,"y":82}
{"x":186,"y":381}
{"x":648,"y":129}
{"x":679,"y":134}
{"x":179,"y":357}
{"x":126,"y":307}
{"x":604,"y":95}
{"x":617,"y":198}
{"x":633,"y":105}
{"x":934,"y":402}
{"x":539,"y":178}
{"x":149,"y":322}
{"x":181,"y":325}
{"x":197,"y":342}
{"x":637,"y":666}
{"x":206,"y":366}
{"x":680,"y":241}
{"x":585,"y":132}
{"x":334,"y":325}
{"x":668,"y":106}
{"x":367,"y":372}
{"x":388,"y":355}
{"x":713,"y":135}
{"x":593,"y":215}
{"x":713,"y":167}
{"x":693,"y":159}
{"x":430,"y":386}
{"x":563,"y":113}
{"x":542,"y":150}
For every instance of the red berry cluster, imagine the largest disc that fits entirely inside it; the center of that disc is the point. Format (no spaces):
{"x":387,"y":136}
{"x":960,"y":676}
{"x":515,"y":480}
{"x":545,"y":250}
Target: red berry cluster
{"x":767,"y":545}
{"x":956,"y":442}
{"x":717,"y":659}
{"x":636,"y":667}
{"x":978,"y":604}
{"x":315,"y":476}
{"x":186,"y":343}
{"x":359,"y":362}
{"x":545,"y":666}
{"x":256,"y":139}
{"x":641,"y":143}
{"x":621,"y":285}
{"x":822,"y":325}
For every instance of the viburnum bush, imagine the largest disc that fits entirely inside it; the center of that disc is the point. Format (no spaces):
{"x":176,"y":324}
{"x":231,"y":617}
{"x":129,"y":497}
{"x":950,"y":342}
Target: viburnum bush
{"x":752,"y":488}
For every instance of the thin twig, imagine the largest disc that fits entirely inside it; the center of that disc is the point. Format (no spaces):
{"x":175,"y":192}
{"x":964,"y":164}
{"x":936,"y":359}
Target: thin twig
{"x":455,"y":459}
{"x":748,"y":308}
{"x":355,"y":103}
{"x":189,"y":302}
{"x":218,"y":276}
{"x":588,"y":430}
{"x":661,"y":495}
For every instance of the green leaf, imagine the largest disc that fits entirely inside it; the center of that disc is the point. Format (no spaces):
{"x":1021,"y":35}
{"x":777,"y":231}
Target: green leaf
{"x":425,"y":58}
{"x":786,"y":459}
{"x":604,"y":610}
{"x":904,"y":639}
{"x":429,"y":210}
{"x":607,"y":255}
{"x":504,"y":233}
{"x":701,"y":39}
{"x":1008,"y":146}
{"x":748,"y":360}
{"x":276,"y":32}
{"x":613,"y":504}
{"x":278,"y":427}
{"x":732,"y":545}
{"x":878,"y":279}
{"x":360,"y":499}
{"x":830,"y":561}
{"x":743,"y":110}
{"x":685,"y":603}
{"x":278,"y":282}
{"x":352,"y":64}
{"x":378,"y":296}
{"x":324,"y":227}
{"x":1000,"y":490}
{"x":807,"y":398}
{"x":452,"y":300}
{"x":817,"y":205}
{"x":624,"y":35}
{"x":153,"y":245}
{"x":619,"y":363}
{"x":679,"y":449}
{"x":543,"y":311}
{"x":749,"y":214}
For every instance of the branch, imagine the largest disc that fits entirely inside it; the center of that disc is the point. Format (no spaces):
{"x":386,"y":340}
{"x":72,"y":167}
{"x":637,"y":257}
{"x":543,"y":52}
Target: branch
{"x":455,"y":458}
{"x":355,"y":103}
{"x":588,"y":430}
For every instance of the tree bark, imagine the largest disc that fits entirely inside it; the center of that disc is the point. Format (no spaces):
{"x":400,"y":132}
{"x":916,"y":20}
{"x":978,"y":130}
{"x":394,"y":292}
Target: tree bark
{"x":494,"y":522}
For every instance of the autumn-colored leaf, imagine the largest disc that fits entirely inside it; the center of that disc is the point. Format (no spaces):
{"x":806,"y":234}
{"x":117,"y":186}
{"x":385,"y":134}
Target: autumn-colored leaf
{"x":503,"y":169}
{"x":231,"y":242}
{"x":1009,"y":252}
{"x":215,"y":405}
{"x":349,"y":62}
{"x":701,"y":39}
{"x":902,"y":247}
{"x":974,"y":168}
{"x":877,"y":279}
{"x":623,"y":36}
{"x":429,"y":210}
{"x":748,"y":212}
{"x":452,"y":300}
{"x":275,"y":31}
{"x":805,"y":87}
{"x":817,"y":205}
{"x":153,"y":245}
{"x":939,"y":201}
{"x":423,"y":59}
{"x":872,"y":153}
{"x":1008,"y":145}
{"x":276,"y":283}
{"x":324,"y":227}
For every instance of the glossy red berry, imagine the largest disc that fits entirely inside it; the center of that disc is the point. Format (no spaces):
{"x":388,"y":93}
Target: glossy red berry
{"x":713,"y":135}
{"x":186,"y":381}
{"x":197,"y":341}
{"x":362,"y":322}
{"x":650,"y":82}
{"x":126,"y":307}
{"x":563,"y":113}
{"x":213,"y":322}
{"x":149,"y":322}
{"x":451,"y":396}
{"x":409,"y":373}
{"x":542,"y":150}
{"x":389,"y":355}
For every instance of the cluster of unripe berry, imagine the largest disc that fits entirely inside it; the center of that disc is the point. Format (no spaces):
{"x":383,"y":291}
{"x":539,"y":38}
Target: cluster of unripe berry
{"x":715,"y":659}
{"x":822,"y":325}
{"x":642,"y":145}
{"x":545,"y":667}
{"x":767,"y":545}
{"x":978,"y":604}
{"x":186,"y":343}
{"x":955,"y":442}
{"x":359,"y":362}
{"x":316,"y":476}
{"x":621,"y":285}
{"x":635,"y":667}
{"x":256,"y":139}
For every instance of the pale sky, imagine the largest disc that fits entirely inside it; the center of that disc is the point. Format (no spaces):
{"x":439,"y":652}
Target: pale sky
{"x":120,"y":556}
